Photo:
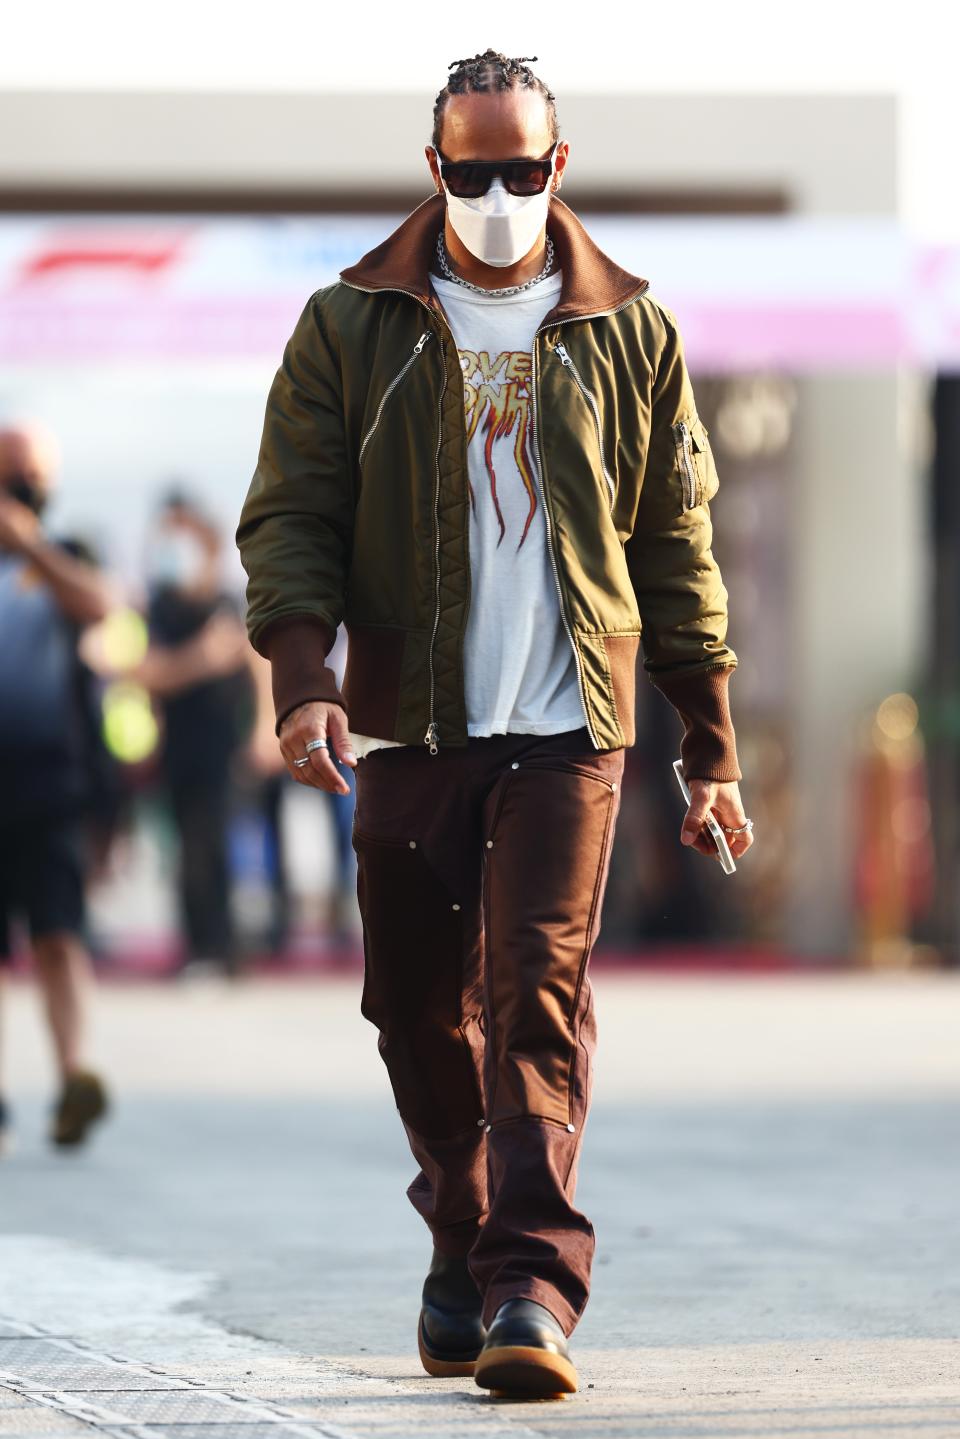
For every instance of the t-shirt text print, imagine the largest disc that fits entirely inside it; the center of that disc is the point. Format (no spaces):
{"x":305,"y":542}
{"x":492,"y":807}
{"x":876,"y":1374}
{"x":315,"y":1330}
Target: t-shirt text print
{"x":498,"y":402}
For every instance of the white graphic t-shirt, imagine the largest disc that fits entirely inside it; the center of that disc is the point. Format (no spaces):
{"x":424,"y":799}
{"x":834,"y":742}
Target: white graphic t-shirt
{"x":519,"y":667}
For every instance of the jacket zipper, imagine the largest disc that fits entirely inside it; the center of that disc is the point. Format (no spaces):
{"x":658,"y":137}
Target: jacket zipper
{"x":568,"y":364}
{"x":541,"y":478}
{"x":432,"y":735}
{"x":389,"y":391}
{"x":682,"y":439}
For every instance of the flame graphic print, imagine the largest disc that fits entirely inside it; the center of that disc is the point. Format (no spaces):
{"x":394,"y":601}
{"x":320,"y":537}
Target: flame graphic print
{"x":498,"y":402}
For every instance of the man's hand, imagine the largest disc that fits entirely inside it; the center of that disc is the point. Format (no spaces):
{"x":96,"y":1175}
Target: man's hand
{"x":724,"y":800}
{"x":317,"y":720}
{"x":19,"y":526}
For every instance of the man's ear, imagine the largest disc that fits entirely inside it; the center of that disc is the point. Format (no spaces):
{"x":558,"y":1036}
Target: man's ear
{"x":431,"y":155}
{"x":563,"y":150}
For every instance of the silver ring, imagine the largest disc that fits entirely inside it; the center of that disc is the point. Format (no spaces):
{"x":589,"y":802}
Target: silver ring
{"x":744,"y":828}
{"x":316,"y":744}
{"x":301,"y":762}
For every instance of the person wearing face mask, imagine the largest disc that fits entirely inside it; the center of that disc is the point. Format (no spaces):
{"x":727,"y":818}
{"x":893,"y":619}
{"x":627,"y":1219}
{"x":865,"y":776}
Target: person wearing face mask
{"x":197,"y":668}
{"x":482,"y":454}
{"x":49,"y":592}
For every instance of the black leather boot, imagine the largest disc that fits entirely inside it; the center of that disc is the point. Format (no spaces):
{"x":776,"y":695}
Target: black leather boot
{"x":451,"y":1332}
{"x":525,"y":1352}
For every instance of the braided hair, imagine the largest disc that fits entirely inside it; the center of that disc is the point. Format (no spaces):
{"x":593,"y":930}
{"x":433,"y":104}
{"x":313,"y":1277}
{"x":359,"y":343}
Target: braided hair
{"x":488,"y":72}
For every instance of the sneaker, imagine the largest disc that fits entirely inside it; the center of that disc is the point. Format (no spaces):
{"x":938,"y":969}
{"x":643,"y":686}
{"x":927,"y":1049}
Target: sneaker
{"x":82,"y":1100}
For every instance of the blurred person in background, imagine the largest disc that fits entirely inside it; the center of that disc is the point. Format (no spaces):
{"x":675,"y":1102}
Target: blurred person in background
{"x":49,"y":750}
{"x":197,"y":669}
{"x":494,"y":564}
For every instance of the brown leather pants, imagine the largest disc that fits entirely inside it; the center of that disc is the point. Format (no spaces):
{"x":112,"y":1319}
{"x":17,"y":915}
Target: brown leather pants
{"x":480,"y":875}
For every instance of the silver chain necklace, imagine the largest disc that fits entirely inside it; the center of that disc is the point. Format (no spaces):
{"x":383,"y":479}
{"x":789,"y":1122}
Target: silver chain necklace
{"x":480,"y":289}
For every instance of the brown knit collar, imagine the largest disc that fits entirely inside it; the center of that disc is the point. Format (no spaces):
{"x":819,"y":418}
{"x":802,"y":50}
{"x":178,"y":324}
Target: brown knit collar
{"x":592,"y":283}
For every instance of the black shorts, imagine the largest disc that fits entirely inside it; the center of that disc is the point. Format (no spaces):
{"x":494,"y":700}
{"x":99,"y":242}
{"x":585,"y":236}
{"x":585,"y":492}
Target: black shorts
{"x":41,"y":879}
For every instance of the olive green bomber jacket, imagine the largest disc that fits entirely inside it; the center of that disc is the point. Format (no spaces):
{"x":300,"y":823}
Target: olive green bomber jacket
{"x":358,"y":510}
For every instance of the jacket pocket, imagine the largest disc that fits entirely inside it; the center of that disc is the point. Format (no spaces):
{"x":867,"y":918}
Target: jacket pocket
{"x":695,"y":463}
{"x":371,"y":430}
{"x":590,"y":398}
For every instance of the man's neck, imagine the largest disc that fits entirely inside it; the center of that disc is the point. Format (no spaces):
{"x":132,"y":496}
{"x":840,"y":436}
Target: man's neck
{"x":491,"y":277}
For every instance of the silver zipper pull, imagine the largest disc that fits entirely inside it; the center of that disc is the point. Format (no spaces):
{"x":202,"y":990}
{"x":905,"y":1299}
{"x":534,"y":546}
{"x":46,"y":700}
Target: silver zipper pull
{"x":431,"y":736}
{"x":564,"y":357}
{"x":421,"y":342}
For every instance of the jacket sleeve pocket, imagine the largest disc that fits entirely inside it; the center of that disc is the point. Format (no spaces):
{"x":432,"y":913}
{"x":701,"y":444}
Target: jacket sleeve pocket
{"x":696,"y":467}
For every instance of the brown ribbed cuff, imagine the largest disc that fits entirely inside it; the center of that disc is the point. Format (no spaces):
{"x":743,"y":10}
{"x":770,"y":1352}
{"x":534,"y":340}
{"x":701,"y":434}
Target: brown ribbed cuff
{"x":701,"y":698}
{"x":296,"y":647}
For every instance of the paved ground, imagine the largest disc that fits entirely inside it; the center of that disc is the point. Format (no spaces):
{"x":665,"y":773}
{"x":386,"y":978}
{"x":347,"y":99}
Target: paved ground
{"x":772,"y":1165}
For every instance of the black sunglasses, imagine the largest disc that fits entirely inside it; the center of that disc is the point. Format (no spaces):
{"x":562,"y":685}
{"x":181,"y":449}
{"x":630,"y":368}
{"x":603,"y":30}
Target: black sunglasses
{"x":469,"y":179}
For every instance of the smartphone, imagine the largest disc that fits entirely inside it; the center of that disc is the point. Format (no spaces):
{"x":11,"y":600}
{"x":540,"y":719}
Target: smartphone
{"x":717,"y":834}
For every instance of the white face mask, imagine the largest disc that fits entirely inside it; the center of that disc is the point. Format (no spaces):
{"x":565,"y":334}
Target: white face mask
{"x":499,"y":228}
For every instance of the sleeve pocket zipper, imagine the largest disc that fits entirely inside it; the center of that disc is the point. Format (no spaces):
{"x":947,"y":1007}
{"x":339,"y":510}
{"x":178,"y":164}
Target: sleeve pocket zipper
{"x":390,"y":389}
{"x":688,"y":473}
{"x":568,"y":364}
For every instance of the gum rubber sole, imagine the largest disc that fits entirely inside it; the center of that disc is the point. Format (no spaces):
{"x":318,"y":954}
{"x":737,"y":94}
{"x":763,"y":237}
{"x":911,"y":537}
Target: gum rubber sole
{"x":442,"y":1368}
{"x":519,"y":1369}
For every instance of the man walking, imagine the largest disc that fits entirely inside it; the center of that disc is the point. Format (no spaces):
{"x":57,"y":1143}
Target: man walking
{"x":48,"y":593}
{"x":482,"y":453}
